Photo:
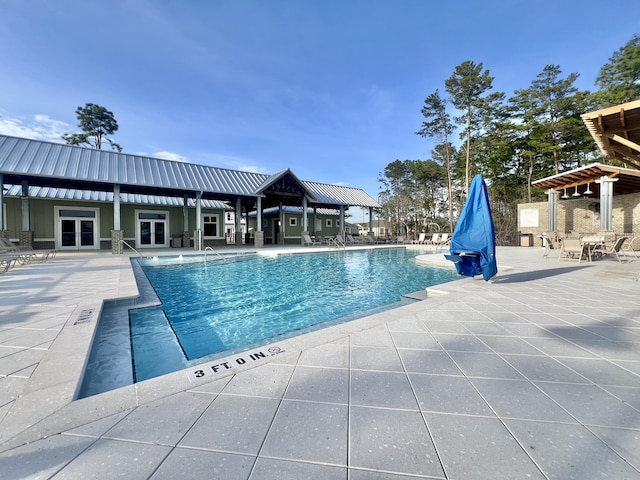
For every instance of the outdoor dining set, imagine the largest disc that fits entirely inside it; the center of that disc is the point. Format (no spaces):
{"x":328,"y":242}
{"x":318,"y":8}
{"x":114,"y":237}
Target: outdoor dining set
{"x":592,"y":247}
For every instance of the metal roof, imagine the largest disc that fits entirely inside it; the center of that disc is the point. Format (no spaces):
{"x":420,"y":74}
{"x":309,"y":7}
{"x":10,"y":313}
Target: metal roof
{"x":97,"y":196}
{"x":48,"y":164}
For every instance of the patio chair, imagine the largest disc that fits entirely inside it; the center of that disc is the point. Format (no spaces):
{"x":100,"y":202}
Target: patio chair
{"x":614,"y":249}
{"x":421,"y":239}
{"x":548,"y":246}
{"x":572,"y":249}
{"x":308,"y":241}
{"x":631,"y":247}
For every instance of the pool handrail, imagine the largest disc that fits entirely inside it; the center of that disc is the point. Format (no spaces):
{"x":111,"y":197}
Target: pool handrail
{"x":125,"y":243}
{"x":212,"y":250}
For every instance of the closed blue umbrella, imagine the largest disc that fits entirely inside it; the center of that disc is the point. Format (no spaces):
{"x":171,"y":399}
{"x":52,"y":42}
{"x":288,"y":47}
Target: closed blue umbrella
{"x":473,"y":244}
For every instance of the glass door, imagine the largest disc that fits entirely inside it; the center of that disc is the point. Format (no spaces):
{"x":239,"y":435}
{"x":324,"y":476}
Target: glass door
{"x":76,"y":229}
{"x":152,"y":229}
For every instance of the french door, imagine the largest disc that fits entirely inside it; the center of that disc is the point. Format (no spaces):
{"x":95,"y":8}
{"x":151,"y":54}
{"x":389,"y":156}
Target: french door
{"x":152,"y":230}
{"x":77,"y":229}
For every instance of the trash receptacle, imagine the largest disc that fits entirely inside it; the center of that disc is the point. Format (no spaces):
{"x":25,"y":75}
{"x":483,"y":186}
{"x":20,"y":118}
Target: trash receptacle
{"x":526,"y":239}
{"x":176,"y":242}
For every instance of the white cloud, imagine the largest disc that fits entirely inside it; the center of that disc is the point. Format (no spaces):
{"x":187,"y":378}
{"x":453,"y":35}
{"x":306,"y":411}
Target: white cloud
{"x":232,"y":163}
{"x":40,"y":127}
{"x":170,"y":156}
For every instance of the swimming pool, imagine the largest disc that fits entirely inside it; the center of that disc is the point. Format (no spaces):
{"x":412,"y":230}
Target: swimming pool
{"x":216,"y":308}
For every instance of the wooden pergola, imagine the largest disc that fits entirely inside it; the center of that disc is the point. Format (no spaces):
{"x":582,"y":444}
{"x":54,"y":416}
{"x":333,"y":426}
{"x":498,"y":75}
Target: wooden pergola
{"x":616,"y":131}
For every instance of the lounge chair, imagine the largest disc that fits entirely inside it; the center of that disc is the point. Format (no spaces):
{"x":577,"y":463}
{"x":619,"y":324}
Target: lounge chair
{"x":308,"y":241}
{"x":25,"y":255}
{"x":7,"y":261}
{"x":421,"y":239}
{"x":614,"y":249}
{"x":572,"y":248}
{"x":435,"y":239}
{"x":350,"y":240}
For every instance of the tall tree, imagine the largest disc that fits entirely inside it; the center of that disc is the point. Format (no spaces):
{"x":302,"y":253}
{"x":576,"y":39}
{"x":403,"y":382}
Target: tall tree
{"x":466,"y":87}
{"x":554,"y":111}
{"x":619,"y":80}
{"x":437,"y":124}
{"x":96,"y":123}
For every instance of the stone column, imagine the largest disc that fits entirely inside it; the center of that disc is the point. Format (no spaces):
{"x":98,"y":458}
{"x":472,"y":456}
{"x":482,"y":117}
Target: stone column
{"x":116,"y":241}
{"x":26,"y":239}
{"x":259,"y":239}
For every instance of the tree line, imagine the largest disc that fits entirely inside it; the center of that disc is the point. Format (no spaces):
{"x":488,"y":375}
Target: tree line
{"x":511,"y":141}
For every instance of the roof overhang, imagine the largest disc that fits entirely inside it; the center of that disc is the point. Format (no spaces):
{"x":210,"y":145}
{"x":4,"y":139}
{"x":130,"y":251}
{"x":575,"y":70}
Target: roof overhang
{"x":578,"y":179}
{"x":616,"y":131}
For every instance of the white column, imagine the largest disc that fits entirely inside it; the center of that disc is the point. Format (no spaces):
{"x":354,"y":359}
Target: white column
{"x":259,"y":214}
{"x":116,"y":207}
{"x":552,"y":224}
{"x":371,"y":232}
{"x":342,"y":220}
{"x":198,"y":233}
{"x":25,"y":206}
{"x":606,"y":202}
{"x":185,"y":214}
{"x":1,"y":202}
{"x":305,"y":222}
{"x":238,"y":238}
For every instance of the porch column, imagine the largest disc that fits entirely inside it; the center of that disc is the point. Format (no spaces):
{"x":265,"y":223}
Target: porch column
{"x":342,"y":220}
{"x":305,"y":223}
{"x":315,"y":220}
{"x":117,"y":235}
{"x":197,"y":235}
{"x":259,"y":235}
{"x":371,"y":232}
{"x":553,"y":210}
{"x":26,"y":235}
{"x":2,"y":222}
{"x":280,"y":239}
{"x":238,"y":222}
{"x":186,"y":236}
{"x":606,"y":202}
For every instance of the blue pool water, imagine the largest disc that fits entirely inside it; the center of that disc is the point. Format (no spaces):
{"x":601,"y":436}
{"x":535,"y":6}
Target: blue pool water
{"x":217,"y":307}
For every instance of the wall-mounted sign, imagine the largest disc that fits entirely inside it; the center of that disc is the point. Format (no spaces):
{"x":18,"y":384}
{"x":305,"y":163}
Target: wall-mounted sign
{"x":529,"y":217}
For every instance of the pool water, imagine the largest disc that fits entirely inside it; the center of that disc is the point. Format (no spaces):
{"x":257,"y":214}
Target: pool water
{"x":216,"y":308}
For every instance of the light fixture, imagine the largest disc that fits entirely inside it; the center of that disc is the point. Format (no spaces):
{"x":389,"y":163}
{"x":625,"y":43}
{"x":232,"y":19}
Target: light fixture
{"x":565,"y":196}
{"x":576,"y":193}
{"x":588,"y":190}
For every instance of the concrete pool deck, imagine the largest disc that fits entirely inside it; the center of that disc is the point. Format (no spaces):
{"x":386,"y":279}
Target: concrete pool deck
{"x":535,"y":374}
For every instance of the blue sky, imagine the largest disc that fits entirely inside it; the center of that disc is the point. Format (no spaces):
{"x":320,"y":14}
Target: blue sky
{"x":329,"y":88}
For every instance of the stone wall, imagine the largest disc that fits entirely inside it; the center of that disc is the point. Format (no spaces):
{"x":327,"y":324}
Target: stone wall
{"x":578,"y":216}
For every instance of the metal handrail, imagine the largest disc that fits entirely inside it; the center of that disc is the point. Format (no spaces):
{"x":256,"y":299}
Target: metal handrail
{"x":125,"y":243}
{"x":209,"y":249}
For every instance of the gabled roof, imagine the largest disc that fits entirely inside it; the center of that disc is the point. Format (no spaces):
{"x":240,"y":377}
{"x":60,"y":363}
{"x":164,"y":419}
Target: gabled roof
{"x":47,"y":164}
{"x":616,"y":131}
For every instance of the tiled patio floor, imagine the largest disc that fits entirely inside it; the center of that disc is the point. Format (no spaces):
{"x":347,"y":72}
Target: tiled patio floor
{"x":533,"y":375}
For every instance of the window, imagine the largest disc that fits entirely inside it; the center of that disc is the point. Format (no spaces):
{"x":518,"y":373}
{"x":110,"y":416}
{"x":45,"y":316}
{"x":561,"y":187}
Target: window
{"x":337,"y":223}
{"x":229,"y":217}
{"x":329,"y":222}
{"x":210,"y":225}
{"x":265,"y":223}
{"x":293,"y":222}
